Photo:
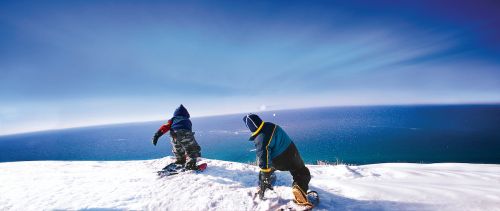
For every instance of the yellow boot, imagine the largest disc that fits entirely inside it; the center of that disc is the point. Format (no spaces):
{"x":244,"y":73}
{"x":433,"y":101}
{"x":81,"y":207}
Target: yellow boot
{"x":300,"y":197}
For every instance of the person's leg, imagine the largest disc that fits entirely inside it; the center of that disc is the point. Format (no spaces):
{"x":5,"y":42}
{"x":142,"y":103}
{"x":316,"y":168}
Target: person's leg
{"x":301,"y":177}
{"x":178,"y":150}
{"x":290,"y":160}
{"x":191,"y":147}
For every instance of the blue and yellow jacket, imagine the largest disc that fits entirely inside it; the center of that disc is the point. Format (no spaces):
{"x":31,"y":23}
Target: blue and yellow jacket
{"x":270,"y":141}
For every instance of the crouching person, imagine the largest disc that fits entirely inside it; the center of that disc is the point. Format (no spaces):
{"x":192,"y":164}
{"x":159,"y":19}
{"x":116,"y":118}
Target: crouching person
{"x":276,"y":151}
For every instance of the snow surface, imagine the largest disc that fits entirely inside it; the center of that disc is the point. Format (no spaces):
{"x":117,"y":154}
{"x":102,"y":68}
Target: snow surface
{"x":133,"y":185}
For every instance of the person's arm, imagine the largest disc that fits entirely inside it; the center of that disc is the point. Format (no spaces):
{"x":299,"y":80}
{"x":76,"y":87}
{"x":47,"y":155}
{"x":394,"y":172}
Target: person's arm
{"x":264,"y":161}
{"x":263,"y":152}
{"x":163,"y":129}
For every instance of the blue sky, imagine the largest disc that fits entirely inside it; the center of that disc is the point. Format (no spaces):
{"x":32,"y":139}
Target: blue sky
{"x":73,"y":63}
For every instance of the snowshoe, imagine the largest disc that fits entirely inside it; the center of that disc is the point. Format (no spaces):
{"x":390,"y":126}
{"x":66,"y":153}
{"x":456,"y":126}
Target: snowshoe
{"x":313,"y":198}
{"x":300,"y":197}
{"x":172,"y":169}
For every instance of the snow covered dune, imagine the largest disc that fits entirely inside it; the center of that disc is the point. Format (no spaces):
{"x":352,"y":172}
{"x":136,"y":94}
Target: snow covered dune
{"x":133,"y":185}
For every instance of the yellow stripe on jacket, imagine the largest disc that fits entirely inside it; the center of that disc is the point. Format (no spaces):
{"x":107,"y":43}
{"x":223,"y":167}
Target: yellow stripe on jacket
{"x":267,"y":169}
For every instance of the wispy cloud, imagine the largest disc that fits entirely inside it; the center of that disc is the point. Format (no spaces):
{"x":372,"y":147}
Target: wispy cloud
{"x":87,"y":63}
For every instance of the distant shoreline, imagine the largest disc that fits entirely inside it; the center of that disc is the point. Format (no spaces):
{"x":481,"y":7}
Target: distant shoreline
{"x":264,"y":111}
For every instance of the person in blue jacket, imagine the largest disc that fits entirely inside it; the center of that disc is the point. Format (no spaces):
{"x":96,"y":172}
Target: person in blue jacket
{"x":183,"y":142}
{"x":276,"y":151}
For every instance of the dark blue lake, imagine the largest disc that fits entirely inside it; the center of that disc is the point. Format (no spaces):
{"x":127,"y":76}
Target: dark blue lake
{"x":353,"y":135}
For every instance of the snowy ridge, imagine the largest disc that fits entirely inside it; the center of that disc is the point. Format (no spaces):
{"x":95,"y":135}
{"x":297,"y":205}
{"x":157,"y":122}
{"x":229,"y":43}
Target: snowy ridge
{"x":133,"y":185}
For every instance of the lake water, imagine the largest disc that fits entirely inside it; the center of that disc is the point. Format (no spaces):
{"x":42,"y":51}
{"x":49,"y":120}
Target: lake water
{"x":352,"y":135}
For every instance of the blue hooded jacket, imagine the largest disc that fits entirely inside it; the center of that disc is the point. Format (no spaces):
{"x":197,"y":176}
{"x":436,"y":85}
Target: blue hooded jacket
{"x":181,"y":119}
{"x":270,"y":142}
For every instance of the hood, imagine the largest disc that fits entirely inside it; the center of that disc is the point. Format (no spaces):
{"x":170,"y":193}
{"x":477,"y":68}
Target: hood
{"x":252,"y":121}
{"x":181,"y":112}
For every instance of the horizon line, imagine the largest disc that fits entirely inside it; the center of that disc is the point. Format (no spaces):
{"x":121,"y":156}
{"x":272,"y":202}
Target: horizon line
{"x":256,"y":111}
